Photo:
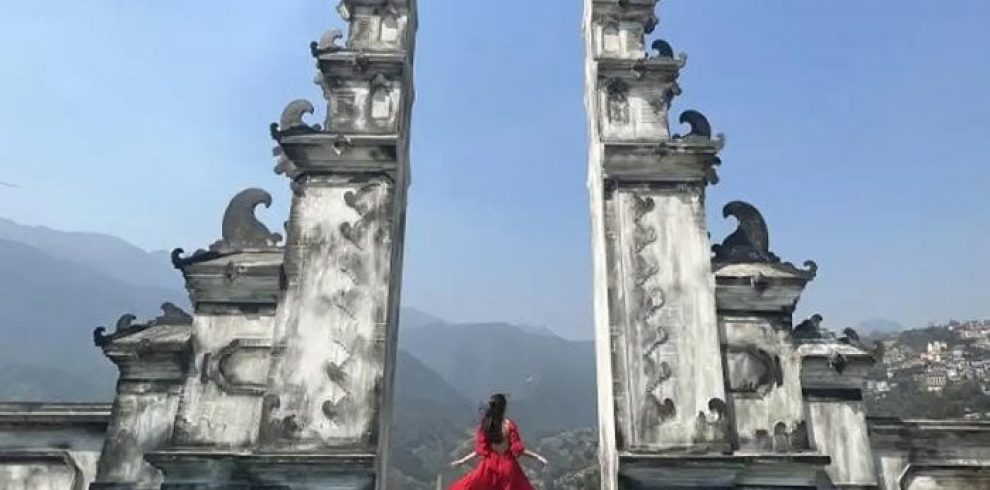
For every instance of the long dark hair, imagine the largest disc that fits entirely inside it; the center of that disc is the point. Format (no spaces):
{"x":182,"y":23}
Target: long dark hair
{"x":491,"y":423}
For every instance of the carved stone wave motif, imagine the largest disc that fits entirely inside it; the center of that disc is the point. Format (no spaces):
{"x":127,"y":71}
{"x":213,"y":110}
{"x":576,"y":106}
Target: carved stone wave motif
{"x":751,"y":240}
{"x":221,"y":368}
{"x":656,"y":413}
{"x":328,"y":43}
{"x":783,"y":439}
{"x":337,"y":374}
{"x":750,"y":243}
{"x":171,"y":315}
{"x":291,"y":122}
{"x":662,"y":50}
{"x":650,"y":301}
{"x":753,"y":370}
{"x":368,"y":214}
{"x":809,"y":328}
{"x":714,"y":425}
{"x":700,"y":127}
{"x":178,"y":261}
{"x":241,"y":229}
{"x":791,"y":440}
{"x":617,"y":102}
{"x":700,"y":130}
{"x":275,"y":428}
{"x":370,"y":211}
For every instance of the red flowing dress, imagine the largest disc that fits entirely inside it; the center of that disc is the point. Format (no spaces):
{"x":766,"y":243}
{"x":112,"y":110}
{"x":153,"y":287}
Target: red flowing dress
{"x":498,"y":470}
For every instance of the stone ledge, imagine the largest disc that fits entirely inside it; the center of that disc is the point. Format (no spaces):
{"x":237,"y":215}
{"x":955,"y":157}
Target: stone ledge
{"x":48,"y":415}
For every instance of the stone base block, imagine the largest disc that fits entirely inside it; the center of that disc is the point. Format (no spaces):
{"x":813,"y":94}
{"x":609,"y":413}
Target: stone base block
{"x":792,"y":471}
{"x":219,"y":470}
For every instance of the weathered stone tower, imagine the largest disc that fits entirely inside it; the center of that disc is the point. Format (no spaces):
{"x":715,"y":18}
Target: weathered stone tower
{"x":661,"y":385}
{"x":703,"y":381}
{"x":283,"y":376}
{"x":330,"y":388}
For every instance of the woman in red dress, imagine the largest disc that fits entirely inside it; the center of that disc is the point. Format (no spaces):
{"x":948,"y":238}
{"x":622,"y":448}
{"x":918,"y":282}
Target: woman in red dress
{"x":498,"y":444}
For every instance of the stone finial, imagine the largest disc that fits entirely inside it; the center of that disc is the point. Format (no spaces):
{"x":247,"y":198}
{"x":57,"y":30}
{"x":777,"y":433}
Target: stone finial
{"x":751,"y":240}
{"x":200,"y":255}
{"x":328,"y":43}
{"x":810,"y":328}
{"x":851,"y":337}
{"x":700,"y":127}
{"x":662,"y":49}
{"x":241,"y":229}
{"x":172,"y":315}
{"x":291,"y":122}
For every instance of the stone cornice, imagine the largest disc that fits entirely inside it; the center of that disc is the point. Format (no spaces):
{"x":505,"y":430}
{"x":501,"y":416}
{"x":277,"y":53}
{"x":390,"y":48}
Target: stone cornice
{"x":346,"y":64}
{"x":215,"y":465}
{"x":55,"y":415}
{"x":662,"y":69}
{"x":247,"y":277}
{"x":675,"y":160}
{"x":127,"y":331}
{"x":762,"y":288}
{"x":325,"y":153}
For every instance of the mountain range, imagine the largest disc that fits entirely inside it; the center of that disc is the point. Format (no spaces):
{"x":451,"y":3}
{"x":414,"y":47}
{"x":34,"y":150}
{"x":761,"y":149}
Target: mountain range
{"x":57,"y":286}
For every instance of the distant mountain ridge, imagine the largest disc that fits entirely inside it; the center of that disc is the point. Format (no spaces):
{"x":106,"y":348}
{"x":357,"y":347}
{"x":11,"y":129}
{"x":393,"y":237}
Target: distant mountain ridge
{"x":550,"y":380}
{"x":55,"y":287}
{"x":52,"y":305}
{"x":105,"y":254}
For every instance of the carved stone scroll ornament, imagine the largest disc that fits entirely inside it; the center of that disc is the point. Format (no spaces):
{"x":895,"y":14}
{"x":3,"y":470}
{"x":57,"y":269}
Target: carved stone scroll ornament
{"x":275,"y":427}
{"x":649,"y":23}
{"x":241,"y":229}
{"x":220,"y":368}
{"x":337,"y":374}
{"x":662,"y":49}
{"x":171,"y":315}
{"x":809,"y":329}
{"x":178,"y":261}
{"x":751,"y":240}
{"x":790,"y":440}
{"x":328,"y":43}
{"x":617,"y":101}
{"x":711,"y":172}
{"x":291,"y":122}
{"x":713,"y":426}
{"x":656,"y":412}
{"x":700,"y":127}
{"x":753,"y":370}
{"x":851,"y":337}
{"x":285,"y":166}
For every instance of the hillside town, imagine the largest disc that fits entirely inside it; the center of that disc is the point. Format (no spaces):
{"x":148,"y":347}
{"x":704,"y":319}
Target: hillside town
{"x":949,"y":361}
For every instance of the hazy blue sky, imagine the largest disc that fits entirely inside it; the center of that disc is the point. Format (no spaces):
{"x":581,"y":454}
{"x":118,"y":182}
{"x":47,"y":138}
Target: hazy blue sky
{"x":858,"y":128}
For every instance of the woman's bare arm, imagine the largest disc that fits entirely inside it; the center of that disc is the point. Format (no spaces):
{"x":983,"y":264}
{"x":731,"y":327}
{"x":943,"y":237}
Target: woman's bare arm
{"x":535,"y":456}
{"x":465,"y":459}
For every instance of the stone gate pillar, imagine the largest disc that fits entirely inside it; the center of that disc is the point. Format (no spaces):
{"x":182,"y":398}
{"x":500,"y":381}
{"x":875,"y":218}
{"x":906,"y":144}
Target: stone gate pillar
{"x":660,"y":378}
{"x":757,"y":293}
{"x":234,"y":287}
{"x":328,"y":407}
{"x":153,"y":358}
